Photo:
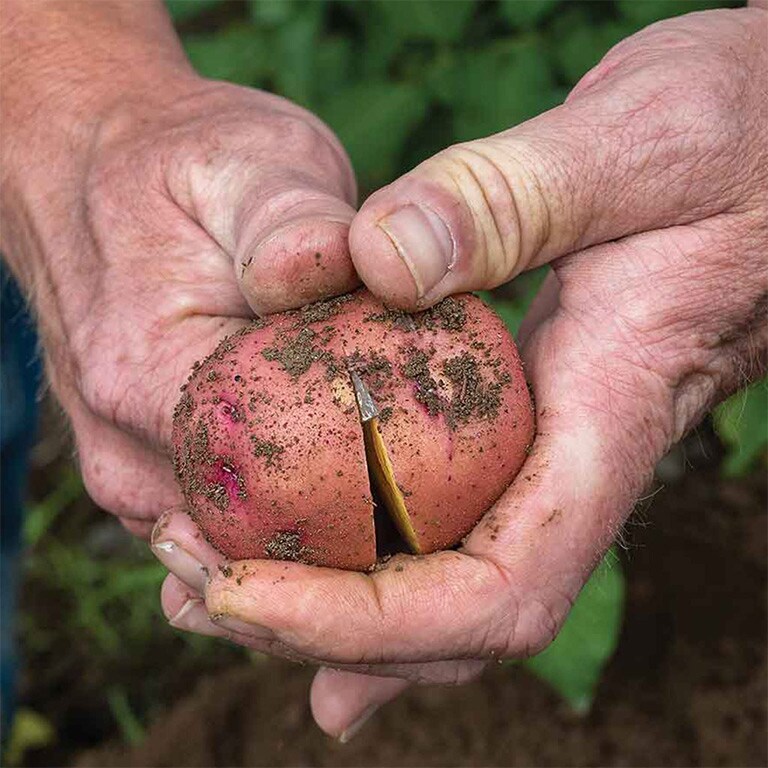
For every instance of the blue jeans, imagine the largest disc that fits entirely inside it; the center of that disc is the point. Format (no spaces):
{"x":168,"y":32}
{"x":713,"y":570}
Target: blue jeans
{"x":20,"y":373}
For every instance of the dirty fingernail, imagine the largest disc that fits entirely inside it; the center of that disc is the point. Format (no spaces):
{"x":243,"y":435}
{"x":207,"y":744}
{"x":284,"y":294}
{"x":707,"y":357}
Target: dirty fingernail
{"x":180,"y":563}
{"x":224,"y":621}
{"x":193,"y":617}
{"x":423,"y":242}
{"x":351,"y":731}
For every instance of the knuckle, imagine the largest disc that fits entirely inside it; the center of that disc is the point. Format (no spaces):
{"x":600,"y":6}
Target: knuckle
{"x":686,"y":122}
{"x":96,"y":385}
{"x":100,"y":481}
{"x":100,"y":382}
{"x":539,"y":621}
{"x":142,"y":529}
{"x":302,"y":135}
{"x":298,"y":134}
{"x":524,"y":622}
{"x":115,"y":392}
{"x":496,"y":631}
{"x":127,"y":374}
{"x":493,"y":186}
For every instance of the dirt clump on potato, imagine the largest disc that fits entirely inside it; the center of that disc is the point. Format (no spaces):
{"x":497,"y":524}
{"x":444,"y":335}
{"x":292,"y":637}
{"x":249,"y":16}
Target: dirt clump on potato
{"x":275,"y":459}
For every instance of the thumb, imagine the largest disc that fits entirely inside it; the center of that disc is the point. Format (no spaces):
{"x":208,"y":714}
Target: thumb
{"x":287,"y":237}
{"x":622,"y":155}
{"x":278,"y":201}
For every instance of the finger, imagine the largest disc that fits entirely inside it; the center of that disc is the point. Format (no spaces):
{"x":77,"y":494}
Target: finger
{"x":176,"y":597}
{"x":299,"y":259}
{"x":185,"y":609}
{"x":184,"y":606}
{"x":279,"y":201}
{"x":342,"y":702}
{"x":618,"y":158}
{"x":181,"y":547}
{"x":543,"y":306}
{"x":120,"y":472}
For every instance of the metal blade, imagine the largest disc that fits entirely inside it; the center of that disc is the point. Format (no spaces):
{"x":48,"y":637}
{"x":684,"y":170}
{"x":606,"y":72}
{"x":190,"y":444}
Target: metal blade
{"x":365,"y":402}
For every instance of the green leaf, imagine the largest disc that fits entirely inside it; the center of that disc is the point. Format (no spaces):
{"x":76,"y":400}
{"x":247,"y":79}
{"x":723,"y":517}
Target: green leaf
{"x":29,"y":731}
{"x":494,"y":88}
{"x":433,"y":134}
{"x":40,"y":517}
{"x":238,"y":53}
{"x":272,"y":13}
{"x":574,"y":662}
{"x":432,"y":20}
{"x":526,"y":14}
{"x":741,"y":423}
{"x":185,"y":10}
{"x":578,"y":43}
{"x":373,"y":121}
{"x":511,"y":312}
{"x":130,"y":727}
{"x":333,"y":66}
{"x":376,"y":47}
{"x":389,"y":30}
{"x":296,"y":43}
{"x":136,"y":580}
{"x":644,"y":12}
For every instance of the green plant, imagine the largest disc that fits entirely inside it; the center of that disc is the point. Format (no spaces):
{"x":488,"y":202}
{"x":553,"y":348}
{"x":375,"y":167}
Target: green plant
{"x":93,"y":590}
{"x":742,"y":425}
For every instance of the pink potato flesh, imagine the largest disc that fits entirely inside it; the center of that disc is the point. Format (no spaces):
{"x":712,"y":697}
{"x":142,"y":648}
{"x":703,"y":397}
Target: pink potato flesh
{"x":269,"y":448}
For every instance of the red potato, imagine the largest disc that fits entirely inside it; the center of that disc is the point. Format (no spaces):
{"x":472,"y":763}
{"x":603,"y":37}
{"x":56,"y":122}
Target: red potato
{"x":273,"y":459}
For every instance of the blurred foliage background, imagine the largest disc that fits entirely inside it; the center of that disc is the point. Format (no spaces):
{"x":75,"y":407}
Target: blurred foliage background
{"x":398,"y":81}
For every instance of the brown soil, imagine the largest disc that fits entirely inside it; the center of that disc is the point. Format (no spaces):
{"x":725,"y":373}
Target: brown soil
{"x":687,"y":686}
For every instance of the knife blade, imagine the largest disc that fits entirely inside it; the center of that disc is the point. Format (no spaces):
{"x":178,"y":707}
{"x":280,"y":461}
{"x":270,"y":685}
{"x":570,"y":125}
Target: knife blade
{"x":365,"y":402}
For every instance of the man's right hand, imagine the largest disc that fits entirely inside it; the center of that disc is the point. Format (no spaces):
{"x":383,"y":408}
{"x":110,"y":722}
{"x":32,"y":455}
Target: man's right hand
{"x":645,"y":193}
{"x":149,"y":212}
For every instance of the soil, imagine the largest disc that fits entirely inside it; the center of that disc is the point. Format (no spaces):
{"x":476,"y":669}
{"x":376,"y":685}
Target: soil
{"x":686,"y":687}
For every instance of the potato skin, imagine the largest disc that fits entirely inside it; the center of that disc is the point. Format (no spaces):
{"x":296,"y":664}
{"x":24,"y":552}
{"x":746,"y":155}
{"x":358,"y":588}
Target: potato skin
{"x":269,"y":448}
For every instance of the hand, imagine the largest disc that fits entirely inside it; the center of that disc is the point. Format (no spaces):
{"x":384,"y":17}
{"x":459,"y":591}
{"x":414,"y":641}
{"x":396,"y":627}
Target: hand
{"x":148,"y":227}
{"x":646,"y":193}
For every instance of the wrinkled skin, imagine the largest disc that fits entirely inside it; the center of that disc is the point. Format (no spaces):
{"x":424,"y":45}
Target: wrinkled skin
{"x":159,"y":265}
{"x":646,"y":193}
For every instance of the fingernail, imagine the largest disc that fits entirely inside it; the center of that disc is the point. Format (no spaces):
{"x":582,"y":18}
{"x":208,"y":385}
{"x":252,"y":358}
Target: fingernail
{"x":424,"y":243}
{"x":180,"y":563}
{"x":354,"y":729}
{"x":242,"y":628}
{"x":193,"y":617}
